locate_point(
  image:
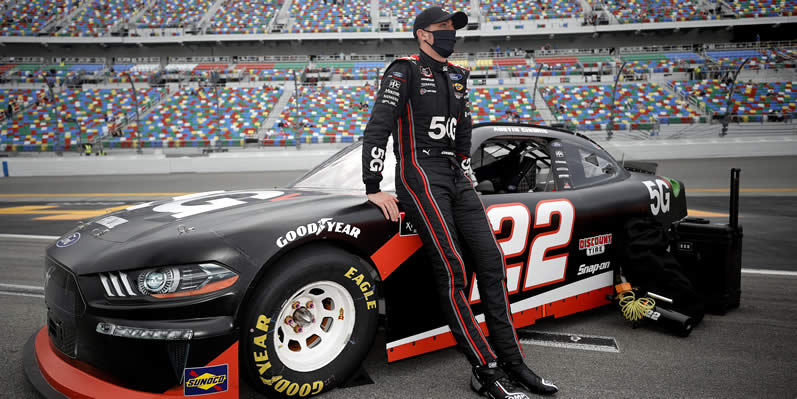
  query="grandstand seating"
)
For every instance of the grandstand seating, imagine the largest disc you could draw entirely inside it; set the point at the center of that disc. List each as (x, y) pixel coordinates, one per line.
(559, 66)
(764, 8)
(174, 14)
(244, 16)
(661, 62)
(354, 70)
(138, 72)
(272, 71)
(405, 11)
(29, 17)
(197, 118)
(639, 11)
(18, 99)
(323, 16)
(752, 100)
(491, 104)
(498, 10)
(733, 58)
(43, 127)
(637, 105)
(332, 114)
(99, 16)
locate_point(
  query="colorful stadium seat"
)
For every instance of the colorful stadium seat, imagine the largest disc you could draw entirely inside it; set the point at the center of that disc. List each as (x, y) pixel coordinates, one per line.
(491, 104)
(734, 58)
(497, 10)
(272, 71)
(29, 17)
(636, 106)
(640, 11)
(204, 117)
(764, 8)
(751, 100)
(75, 115)
(332, 114)
(324, 16)
(406, 11)
(174, 14)
(244, 16)
(99, 16)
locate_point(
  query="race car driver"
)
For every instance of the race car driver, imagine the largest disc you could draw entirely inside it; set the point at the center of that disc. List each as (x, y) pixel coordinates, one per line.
(423, 102)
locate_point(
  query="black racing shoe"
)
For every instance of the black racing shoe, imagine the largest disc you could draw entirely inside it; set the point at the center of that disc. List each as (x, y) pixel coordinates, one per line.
(492, 382)
(521, 374)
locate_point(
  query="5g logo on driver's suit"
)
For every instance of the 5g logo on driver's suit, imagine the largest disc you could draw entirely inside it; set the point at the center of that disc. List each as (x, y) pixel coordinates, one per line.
(377, 163)
(440, 127)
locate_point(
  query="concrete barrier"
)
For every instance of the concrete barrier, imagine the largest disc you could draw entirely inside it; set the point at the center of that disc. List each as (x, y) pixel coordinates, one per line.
(289, 159)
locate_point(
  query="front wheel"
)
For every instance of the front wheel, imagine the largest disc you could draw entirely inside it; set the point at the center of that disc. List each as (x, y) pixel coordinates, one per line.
(310, 323)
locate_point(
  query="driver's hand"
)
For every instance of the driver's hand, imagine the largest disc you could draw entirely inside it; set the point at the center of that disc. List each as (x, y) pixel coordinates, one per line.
(387, 203)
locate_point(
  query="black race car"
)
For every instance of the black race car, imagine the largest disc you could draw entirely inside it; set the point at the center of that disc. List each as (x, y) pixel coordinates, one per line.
(286, 286)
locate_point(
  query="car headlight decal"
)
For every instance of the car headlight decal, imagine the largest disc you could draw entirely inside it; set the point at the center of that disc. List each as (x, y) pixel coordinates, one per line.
(168, 281)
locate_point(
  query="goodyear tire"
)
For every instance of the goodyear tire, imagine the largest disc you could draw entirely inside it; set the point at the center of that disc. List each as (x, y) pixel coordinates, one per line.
(309, 324)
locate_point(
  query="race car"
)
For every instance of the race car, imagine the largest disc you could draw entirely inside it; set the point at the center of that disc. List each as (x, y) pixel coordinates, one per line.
(286, 286)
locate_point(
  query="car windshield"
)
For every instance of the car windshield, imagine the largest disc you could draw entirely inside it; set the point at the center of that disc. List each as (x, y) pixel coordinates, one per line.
(343, 171)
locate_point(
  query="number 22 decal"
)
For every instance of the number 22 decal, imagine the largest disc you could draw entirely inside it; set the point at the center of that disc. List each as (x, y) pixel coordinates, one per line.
(541, 269)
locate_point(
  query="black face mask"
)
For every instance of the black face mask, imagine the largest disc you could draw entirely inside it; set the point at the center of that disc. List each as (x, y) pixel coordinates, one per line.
(444, 41)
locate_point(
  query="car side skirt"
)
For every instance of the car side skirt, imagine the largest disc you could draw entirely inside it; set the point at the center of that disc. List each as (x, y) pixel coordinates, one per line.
(572, 298)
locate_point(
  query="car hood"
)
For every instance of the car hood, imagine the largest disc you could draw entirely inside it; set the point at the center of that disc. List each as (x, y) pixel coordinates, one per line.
(214, 210)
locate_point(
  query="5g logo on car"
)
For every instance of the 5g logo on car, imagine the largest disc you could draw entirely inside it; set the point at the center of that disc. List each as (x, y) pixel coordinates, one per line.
(541, 268)
(440, 127)
(659, 191)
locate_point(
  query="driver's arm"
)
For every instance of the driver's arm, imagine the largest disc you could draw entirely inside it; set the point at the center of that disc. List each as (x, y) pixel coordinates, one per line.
(389, 104)
(462, 136)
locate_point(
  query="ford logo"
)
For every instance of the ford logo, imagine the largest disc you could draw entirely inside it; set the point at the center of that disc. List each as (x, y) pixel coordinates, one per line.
(68, 240)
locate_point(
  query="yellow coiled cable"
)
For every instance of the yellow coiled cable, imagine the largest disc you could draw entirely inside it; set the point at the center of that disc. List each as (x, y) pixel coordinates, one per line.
(634, 309)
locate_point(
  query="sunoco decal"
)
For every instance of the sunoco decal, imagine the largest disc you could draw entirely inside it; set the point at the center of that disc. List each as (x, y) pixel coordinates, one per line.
(205, 380)
(322, 225)
(595, 245)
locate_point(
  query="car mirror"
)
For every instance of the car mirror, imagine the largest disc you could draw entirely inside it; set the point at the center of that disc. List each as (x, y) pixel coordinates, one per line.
(486, 187)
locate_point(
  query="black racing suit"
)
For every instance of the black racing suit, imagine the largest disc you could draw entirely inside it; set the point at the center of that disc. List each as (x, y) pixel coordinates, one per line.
(424, 104)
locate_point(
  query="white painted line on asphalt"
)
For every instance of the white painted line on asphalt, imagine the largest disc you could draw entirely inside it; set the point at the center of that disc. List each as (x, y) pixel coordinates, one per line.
(21, 294)
(29, 237)
(767, 272)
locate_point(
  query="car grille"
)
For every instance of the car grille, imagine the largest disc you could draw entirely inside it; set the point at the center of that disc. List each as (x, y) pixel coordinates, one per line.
(64, 304)
(117, 284)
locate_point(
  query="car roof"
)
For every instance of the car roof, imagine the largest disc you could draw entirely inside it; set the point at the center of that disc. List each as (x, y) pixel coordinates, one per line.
(484, 131)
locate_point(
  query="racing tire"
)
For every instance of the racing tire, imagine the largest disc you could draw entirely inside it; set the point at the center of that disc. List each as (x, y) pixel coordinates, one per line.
(290, 348)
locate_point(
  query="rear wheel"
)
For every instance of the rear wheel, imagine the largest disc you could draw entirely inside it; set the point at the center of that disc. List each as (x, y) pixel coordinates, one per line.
(309, 324)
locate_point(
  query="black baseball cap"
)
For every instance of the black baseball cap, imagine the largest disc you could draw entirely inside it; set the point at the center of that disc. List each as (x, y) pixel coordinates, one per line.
(433, 15)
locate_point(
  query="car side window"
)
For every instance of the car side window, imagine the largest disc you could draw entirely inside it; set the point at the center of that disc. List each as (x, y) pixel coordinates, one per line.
(590, 166)
(513, 165)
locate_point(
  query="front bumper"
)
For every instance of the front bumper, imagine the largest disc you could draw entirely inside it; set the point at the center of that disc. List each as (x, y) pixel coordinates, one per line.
(56, 376)
(133, 361)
